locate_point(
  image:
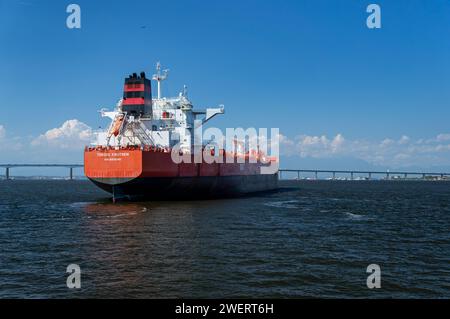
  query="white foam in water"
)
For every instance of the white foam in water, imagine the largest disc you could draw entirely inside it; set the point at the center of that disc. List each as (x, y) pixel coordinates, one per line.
(122, 215)
(356, 216)
(79, 204)
(283, 204)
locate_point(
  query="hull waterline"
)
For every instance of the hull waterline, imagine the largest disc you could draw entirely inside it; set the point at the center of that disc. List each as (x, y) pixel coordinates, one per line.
(182, 188)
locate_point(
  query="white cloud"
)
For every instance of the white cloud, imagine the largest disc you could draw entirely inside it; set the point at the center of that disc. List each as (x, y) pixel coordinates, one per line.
(387, 142)
(336, 143)
(9, 143)
(312, 146)
(2, 132)
(399, 152)
(443, 137)
(402, 152)
(404, 140)
(72, 134)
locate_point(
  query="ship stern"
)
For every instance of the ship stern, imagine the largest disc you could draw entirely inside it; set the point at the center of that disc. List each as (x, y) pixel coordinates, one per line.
(111, 169)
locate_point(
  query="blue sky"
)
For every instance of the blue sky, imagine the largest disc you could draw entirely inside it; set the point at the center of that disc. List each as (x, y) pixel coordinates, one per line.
(311, 68)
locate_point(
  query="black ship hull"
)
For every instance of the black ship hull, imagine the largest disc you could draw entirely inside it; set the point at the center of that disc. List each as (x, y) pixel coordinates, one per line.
(182, 188)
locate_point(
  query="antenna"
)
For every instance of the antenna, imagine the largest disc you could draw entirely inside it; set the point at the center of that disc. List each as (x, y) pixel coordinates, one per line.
(160, 77)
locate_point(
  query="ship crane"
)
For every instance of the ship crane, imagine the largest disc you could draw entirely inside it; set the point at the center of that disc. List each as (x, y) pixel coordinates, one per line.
(209, 113)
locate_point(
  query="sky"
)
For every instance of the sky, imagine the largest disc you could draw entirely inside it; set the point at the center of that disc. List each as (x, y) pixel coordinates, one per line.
(343, 96)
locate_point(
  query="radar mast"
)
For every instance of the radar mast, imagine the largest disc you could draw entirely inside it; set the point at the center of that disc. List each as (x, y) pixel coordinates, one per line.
(159, 77)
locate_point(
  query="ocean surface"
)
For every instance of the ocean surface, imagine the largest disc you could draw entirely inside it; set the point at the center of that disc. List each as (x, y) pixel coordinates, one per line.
(309, 239)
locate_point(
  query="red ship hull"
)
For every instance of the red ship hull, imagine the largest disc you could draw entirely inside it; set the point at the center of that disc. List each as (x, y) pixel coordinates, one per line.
(133, 172)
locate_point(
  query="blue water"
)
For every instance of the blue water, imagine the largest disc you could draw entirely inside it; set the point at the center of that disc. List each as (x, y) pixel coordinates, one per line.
(310, 239)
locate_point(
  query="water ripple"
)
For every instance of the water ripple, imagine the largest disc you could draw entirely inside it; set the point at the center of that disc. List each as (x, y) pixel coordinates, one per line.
(311, 239)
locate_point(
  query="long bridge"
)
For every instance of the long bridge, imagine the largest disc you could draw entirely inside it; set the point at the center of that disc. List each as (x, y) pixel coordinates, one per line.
(9, 166)
(298, 172)
(368, 174)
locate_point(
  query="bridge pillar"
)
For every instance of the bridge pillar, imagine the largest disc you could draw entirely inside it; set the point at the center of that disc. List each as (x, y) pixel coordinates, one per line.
(351, 175)
(334, 175)
(279, 174)
(388, 176)
(298, 175)
(71, 173)
(423, 176)
(370, 175)
(406, 175)
(315, 174)
(7, 173)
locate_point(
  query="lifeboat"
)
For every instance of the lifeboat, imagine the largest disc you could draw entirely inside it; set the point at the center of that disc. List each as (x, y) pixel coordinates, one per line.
(115, 130)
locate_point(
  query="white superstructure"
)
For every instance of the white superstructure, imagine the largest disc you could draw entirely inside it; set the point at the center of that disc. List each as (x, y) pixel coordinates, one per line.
(171, 121)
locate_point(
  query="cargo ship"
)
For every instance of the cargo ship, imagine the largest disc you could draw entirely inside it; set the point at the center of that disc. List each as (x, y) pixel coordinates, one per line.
(150, 150)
